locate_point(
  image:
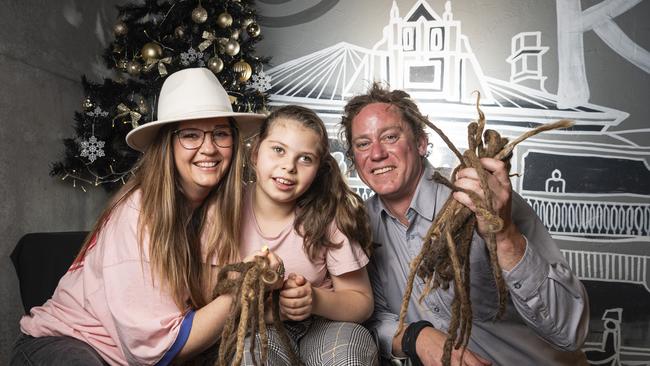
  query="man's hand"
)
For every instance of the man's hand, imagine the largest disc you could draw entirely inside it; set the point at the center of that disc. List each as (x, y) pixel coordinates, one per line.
(296, 298)
(430, 344)
(499, 185)
(511, 245)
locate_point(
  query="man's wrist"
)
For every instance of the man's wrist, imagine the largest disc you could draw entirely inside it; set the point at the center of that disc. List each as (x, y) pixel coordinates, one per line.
(409, 340)
(510, 248)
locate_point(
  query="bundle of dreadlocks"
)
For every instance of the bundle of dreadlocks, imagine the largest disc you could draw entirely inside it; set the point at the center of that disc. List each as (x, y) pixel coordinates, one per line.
(250, 286)
(446, 247)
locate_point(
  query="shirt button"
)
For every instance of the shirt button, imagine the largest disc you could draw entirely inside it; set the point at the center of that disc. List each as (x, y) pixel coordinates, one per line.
(517, 285)
(436, 309)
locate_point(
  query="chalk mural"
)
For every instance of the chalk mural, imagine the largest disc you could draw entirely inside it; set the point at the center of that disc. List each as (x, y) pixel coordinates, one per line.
(590, 185)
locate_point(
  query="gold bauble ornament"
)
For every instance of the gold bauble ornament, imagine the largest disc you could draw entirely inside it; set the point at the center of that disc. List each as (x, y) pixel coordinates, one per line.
(199, 14)
(253, 30)
(87, 104)
(243, 69)
(151, 50)
(120, 29)
(235, 34)
(246, 22)
(231, 47)
(224, 20)
(179, 32)
(215, 64)
(133, 68)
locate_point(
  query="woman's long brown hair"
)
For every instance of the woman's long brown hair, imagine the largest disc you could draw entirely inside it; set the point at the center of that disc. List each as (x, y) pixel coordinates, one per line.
(174, 229)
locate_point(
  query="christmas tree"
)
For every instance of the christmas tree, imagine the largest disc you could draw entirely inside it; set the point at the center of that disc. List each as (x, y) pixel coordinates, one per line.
(152, 40)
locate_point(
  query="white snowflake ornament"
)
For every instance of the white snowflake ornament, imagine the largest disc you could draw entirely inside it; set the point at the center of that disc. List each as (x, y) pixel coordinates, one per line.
(191, 56)
(92, 149)
(261, 82)
(97, 112)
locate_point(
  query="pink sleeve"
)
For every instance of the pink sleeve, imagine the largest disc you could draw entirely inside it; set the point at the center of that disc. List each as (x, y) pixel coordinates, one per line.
(146, 319)
(348, 258)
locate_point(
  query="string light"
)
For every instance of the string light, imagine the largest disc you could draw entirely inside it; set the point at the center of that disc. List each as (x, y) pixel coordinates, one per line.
(113, 177)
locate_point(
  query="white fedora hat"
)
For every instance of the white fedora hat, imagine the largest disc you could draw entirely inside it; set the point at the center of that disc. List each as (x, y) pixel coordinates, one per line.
(191, 94)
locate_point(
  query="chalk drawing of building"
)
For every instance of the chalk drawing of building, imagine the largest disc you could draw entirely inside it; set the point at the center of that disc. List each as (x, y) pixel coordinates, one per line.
(572, 183)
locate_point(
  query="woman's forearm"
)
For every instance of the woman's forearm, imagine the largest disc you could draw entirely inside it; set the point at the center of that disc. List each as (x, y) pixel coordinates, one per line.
(206, 327)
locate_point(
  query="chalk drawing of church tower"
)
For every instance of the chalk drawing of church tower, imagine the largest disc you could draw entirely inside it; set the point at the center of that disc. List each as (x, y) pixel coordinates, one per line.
(525, 60)
(429, 57)
(426, 54)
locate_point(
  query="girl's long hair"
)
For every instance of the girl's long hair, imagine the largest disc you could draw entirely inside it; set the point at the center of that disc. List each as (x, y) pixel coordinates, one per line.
(174, 229)
(328, 198)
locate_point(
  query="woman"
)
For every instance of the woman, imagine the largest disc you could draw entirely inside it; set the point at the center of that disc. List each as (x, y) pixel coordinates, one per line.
(138, 292)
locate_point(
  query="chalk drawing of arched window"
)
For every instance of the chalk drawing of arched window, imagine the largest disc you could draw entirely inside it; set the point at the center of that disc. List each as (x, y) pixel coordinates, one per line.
(340, 159)
(555, 183)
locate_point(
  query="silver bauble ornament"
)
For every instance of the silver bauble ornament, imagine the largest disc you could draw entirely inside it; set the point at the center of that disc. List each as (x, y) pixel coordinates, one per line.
(231, 47)
(179, 32)
(151, 51)
(199, 14)
(244, 70)
(143, 108)
(253, 30)
(121, 64)
(87, 104)
(120, 29)
(133, 68)
(215, 64)
(224, 20)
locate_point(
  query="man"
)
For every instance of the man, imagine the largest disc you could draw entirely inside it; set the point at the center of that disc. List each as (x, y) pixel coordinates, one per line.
(547, 314)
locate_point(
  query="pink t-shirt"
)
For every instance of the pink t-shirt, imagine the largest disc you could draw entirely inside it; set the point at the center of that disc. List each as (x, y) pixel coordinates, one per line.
(109, 300)
(288, 245)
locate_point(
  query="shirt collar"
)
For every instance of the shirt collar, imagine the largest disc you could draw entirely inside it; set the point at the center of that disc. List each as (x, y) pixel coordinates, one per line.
(424, 200)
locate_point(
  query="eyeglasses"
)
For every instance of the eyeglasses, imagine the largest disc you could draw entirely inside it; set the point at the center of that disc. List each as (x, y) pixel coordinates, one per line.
(192, 138)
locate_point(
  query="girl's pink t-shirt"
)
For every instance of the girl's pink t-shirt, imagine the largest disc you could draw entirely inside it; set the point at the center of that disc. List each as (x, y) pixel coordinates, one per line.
(109, 300)
(288, 245)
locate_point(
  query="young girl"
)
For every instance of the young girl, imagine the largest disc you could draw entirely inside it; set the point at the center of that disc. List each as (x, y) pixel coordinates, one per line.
(302, 209)
(139, 292)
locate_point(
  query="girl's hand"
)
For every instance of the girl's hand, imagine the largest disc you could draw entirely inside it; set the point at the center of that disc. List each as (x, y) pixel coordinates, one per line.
(296, 298)
(275, 263)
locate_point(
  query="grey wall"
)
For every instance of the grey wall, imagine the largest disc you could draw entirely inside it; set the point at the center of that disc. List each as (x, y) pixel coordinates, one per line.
(44, 48)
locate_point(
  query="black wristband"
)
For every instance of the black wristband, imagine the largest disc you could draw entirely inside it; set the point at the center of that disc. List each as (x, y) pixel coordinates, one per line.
(409, 340)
